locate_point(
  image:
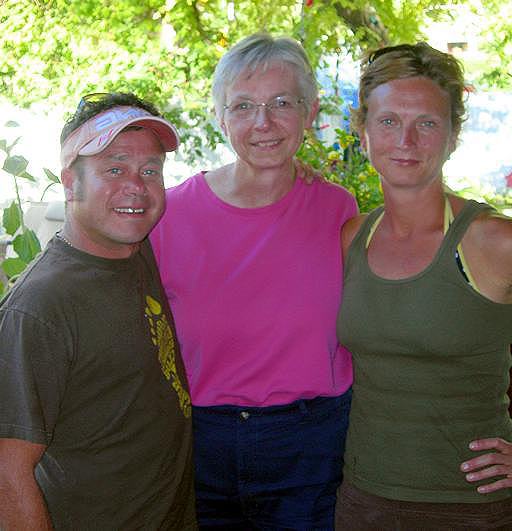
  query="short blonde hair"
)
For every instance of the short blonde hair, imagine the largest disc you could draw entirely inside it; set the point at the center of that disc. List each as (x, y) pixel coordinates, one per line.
(262, 50)
(411, 60)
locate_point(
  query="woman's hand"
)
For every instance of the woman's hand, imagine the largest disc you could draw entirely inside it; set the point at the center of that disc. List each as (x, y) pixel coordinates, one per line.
(490, 465)
(305, 171)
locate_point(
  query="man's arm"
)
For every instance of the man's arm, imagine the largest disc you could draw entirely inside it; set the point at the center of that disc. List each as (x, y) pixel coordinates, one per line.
(22, 506)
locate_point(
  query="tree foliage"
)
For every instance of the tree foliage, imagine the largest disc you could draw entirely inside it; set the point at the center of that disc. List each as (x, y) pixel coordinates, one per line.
(166, 50)
(496, 42)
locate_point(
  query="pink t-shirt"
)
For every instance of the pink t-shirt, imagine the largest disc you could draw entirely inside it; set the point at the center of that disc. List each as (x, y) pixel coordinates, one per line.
(255, 292)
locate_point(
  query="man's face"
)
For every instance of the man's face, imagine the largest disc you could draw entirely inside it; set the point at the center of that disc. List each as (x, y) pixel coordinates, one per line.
(116, 197)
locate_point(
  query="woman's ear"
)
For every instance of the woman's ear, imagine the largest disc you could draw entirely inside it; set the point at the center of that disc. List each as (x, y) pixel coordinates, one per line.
(313, 111)
(362, 141)
(452, 146)
(222, 124)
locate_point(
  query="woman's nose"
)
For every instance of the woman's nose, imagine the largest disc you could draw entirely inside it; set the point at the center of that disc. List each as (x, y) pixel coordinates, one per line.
(262, 116)
(408, 136)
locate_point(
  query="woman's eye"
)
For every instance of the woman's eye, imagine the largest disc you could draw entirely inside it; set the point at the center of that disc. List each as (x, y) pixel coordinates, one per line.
(281, 103)
(243, 106)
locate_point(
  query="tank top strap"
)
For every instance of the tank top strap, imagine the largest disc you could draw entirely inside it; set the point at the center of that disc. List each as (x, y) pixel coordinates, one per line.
(460, 224)
(359, 242)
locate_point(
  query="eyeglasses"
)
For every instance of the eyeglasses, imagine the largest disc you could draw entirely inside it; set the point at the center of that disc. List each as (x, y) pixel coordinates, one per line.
(279, 107)
(95, 97)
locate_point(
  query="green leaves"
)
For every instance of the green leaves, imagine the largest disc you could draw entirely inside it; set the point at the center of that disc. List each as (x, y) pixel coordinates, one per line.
(11, 218)
(166, 50)
(15, 165)
(344, 164)
(13, 267)
(27, 245)
(53, 178)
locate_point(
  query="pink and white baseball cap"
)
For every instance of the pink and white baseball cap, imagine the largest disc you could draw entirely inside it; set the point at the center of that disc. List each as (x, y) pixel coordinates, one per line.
(96, 134)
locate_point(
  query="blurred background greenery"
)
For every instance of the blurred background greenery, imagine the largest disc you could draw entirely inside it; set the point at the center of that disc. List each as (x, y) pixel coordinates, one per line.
(54, 51)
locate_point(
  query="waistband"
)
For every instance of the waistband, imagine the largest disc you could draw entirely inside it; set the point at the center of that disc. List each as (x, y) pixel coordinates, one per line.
(302, 405)
(350, 494)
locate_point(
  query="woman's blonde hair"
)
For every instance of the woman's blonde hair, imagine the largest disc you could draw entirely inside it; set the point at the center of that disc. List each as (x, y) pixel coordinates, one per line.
(262, 50)
(411, 60)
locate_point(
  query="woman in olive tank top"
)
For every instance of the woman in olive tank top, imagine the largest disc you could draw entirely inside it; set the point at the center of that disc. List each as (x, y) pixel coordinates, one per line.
(427, 315)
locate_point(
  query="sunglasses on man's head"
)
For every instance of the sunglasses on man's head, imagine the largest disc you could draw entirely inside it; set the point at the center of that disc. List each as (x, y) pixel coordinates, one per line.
(95, 97)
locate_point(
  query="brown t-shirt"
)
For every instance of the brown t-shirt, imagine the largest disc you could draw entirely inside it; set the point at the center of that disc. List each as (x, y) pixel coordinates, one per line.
(90, 367)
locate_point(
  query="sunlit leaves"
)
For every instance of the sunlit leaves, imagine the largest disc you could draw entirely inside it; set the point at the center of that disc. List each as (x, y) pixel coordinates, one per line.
(13, 266)
(51, 176)
(166, 51)
(11, 218)
(27, 245)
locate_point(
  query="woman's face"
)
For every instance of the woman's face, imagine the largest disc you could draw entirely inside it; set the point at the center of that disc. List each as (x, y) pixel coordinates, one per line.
(408, 133)
(266, 138)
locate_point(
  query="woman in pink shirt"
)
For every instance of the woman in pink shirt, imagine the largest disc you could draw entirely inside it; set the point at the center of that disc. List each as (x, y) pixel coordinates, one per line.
(250, 259)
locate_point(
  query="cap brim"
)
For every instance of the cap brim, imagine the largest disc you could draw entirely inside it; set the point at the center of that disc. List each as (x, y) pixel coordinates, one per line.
(98, 132)
(164, 131)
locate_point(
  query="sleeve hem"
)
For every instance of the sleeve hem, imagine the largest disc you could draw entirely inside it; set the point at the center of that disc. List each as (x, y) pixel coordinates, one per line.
(11, 431)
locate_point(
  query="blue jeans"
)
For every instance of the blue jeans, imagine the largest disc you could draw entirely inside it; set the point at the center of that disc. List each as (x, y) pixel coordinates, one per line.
(272, 468)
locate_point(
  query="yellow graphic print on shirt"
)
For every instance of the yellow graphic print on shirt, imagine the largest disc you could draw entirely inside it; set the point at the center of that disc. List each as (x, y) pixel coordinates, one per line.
(162, 337)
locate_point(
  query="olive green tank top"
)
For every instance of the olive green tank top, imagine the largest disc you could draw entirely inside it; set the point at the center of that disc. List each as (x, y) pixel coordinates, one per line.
(431, 373)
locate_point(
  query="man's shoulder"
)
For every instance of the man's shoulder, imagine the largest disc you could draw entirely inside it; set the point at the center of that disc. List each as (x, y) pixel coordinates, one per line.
(37, 274)
(46, 283)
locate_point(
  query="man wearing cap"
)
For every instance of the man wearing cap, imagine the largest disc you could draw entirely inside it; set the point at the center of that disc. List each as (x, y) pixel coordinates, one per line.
(95, 427)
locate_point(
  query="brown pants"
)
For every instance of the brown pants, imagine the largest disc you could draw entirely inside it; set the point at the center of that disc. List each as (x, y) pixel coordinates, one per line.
(359, 511)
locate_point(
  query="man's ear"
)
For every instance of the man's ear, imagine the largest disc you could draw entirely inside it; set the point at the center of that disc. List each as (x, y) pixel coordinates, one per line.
(67, 177)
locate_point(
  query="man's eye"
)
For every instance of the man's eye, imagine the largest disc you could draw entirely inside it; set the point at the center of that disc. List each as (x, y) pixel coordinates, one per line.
(428, 123)
(115, 171)
(387, 121)
(150, 173)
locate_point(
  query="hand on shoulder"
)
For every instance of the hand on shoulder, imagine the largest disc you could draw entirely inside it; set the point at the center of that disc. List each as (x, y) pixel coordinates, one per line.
(349, 230)
(306, 172)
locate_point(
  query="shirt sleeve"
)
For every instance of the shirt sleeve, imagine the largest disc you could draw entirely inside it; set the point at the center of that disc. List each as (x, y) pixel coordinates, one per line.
(33, 371)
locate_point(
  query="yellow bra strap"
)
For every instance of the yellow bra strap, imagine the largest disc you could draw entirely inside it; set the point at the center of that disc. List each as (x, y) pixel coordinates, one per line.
(374, 228)
(448, 219)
